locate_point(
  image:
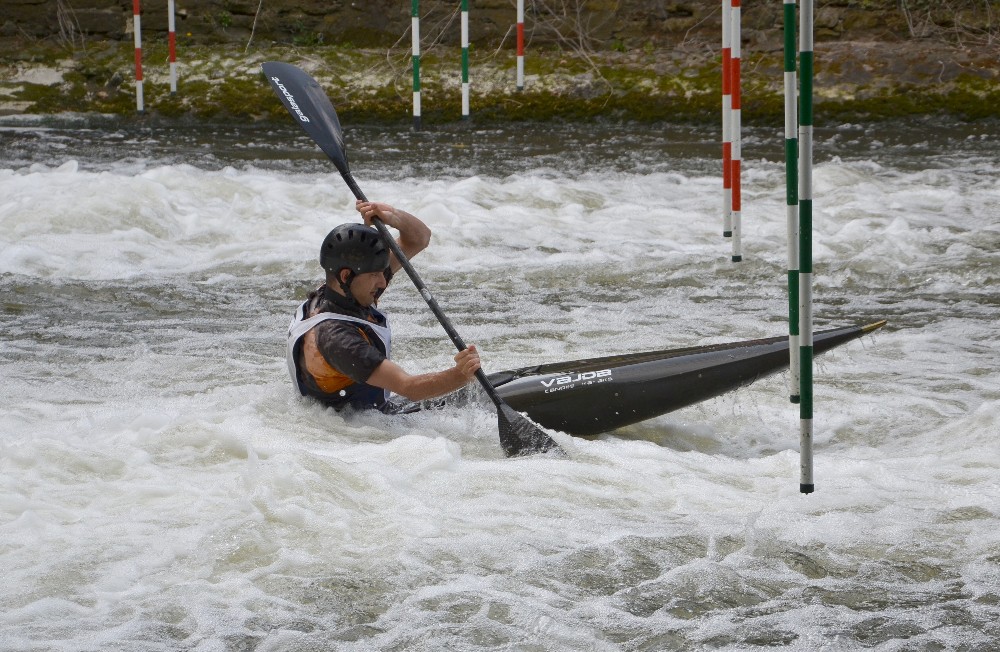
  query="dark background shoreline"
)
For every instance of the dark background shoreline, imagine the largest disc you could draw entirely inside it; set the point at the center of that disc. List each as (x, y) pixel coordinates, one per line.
(627, 59)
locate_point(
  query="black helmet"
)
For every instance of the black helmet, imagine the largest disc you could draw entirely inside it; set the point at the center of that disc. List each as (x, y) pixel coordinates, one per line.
(354, 246)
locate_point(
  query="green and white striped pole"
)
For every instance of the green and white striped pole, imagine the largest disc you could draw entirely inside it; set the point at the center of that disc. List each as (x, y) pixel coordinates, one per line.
(520, 45)
(465, 59)
(806, 484)
(792, 198)
(415, 29)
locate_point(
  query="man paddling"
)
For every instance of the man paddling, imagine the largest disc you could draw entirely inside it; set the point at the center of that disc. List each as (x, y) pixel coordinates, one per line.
(339, 344)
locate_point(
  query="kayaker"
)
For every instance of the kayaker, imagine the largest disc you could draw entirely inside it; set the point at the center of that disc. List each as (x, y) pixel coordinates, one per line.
(339, 343)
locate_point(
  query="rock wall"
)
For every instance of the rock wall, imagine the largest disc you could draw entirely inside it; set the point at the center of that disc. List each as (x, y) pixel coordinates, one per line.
(44, 18)
(637, 59)
(594, 24)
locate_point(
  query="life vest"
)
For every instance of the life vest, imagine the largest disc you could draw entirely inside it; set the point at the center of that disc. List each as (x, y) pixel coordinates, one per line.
(359, 395)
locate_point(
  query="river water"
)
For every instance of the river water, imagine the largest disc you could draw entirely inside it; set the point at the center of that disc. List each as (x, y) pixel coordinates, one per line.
(162, 488)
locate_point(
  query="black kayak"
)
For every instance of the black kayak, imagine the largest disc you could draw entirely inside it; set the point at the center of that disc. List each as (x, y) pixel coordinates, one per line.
(595, 395)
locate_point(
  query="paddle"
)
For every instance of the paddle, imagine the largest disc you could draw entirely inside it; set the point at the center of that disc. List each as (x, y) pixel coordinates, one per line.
(312, 109)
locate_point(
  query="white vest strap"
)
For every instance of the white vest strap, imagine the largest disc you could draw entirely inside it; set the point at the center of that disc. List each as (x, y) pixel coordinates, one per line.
(300, 326)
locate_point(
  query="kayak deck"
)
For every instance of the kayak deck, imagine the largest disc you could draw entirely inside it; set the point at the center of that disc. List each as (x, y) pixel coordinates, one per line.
(595, 395)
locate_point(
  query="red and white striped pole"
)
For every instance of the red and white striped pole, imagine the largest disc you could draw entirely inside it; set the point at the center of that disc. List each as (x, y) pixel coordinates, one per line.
(137, 29)
(520, 45)
(737, 127)
(727, 115)
(172, 46)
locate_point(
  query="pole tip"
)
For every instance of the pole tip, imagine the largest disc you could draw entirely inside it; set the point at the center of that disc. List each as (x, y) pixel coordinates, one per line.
(737, 259)
(806, 488)
(873, 327)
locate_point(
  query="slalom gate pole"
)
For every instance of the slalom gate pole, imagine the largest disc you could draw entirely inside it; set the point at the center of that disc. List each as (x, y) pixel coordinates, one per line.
(737, 147)
(172, 46)
(465, 59)
(792, 198)
(415, 29)
(520, 45)
(137, 37)
(727, 121)
(806, 484)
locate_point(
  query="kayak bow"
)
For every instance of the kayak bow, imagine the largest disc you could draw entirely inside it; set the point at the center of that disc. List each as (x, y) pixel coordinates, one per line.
(595, 395)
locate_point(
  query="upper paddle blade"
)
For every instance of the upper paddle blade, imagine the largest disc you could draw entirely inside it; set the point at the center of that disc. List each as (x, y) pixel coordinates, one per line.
(311, 108)
(519, 436)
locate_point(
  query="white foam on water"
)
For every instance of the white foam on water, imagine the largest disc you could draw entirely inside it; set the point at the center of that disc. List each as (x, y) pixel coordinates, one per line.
(162, 488)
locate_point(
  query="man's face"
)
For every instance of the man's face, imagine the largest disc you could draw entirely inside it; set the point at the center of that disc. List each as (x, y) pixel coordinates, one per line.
(367, 287)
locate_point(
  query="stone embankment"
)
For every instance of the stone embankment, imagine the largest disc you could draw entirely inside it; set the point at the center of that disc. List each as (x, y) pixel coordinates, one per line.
(628, 59)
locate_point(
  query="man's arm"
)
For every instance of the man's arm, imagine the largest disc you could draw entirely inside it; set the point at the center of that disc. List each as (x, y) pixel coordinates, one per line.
(391, 376)
(414, 235)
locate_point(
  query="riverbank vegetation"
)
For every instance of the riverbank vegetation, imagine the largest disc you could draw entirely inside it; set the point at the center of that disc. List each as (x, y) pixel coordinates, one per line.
(933, 56)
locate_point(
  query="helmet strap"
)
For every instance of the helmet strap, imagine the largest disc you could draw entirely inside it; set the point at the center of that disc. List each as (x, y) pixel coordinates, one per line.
(345, 285)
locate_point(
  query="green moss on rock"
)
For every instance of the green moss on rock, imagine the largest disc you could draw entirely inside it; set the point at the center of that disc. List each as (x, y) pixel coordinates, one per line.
(375, 86)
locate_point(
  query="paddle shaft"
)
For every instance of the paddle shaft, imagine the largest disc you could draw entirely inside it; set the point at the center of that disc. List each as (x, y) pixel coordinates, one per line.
(419, 284)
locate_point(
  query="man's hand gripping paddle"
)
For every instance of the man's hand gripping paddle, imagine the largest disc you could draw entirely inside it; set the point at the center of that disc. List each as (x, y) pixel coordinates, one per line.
(312, 109)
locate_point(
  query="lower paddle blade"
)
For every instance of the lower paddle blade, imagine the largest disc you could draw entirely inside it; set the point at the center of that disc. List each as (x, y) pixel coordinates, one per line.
(519, 436)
